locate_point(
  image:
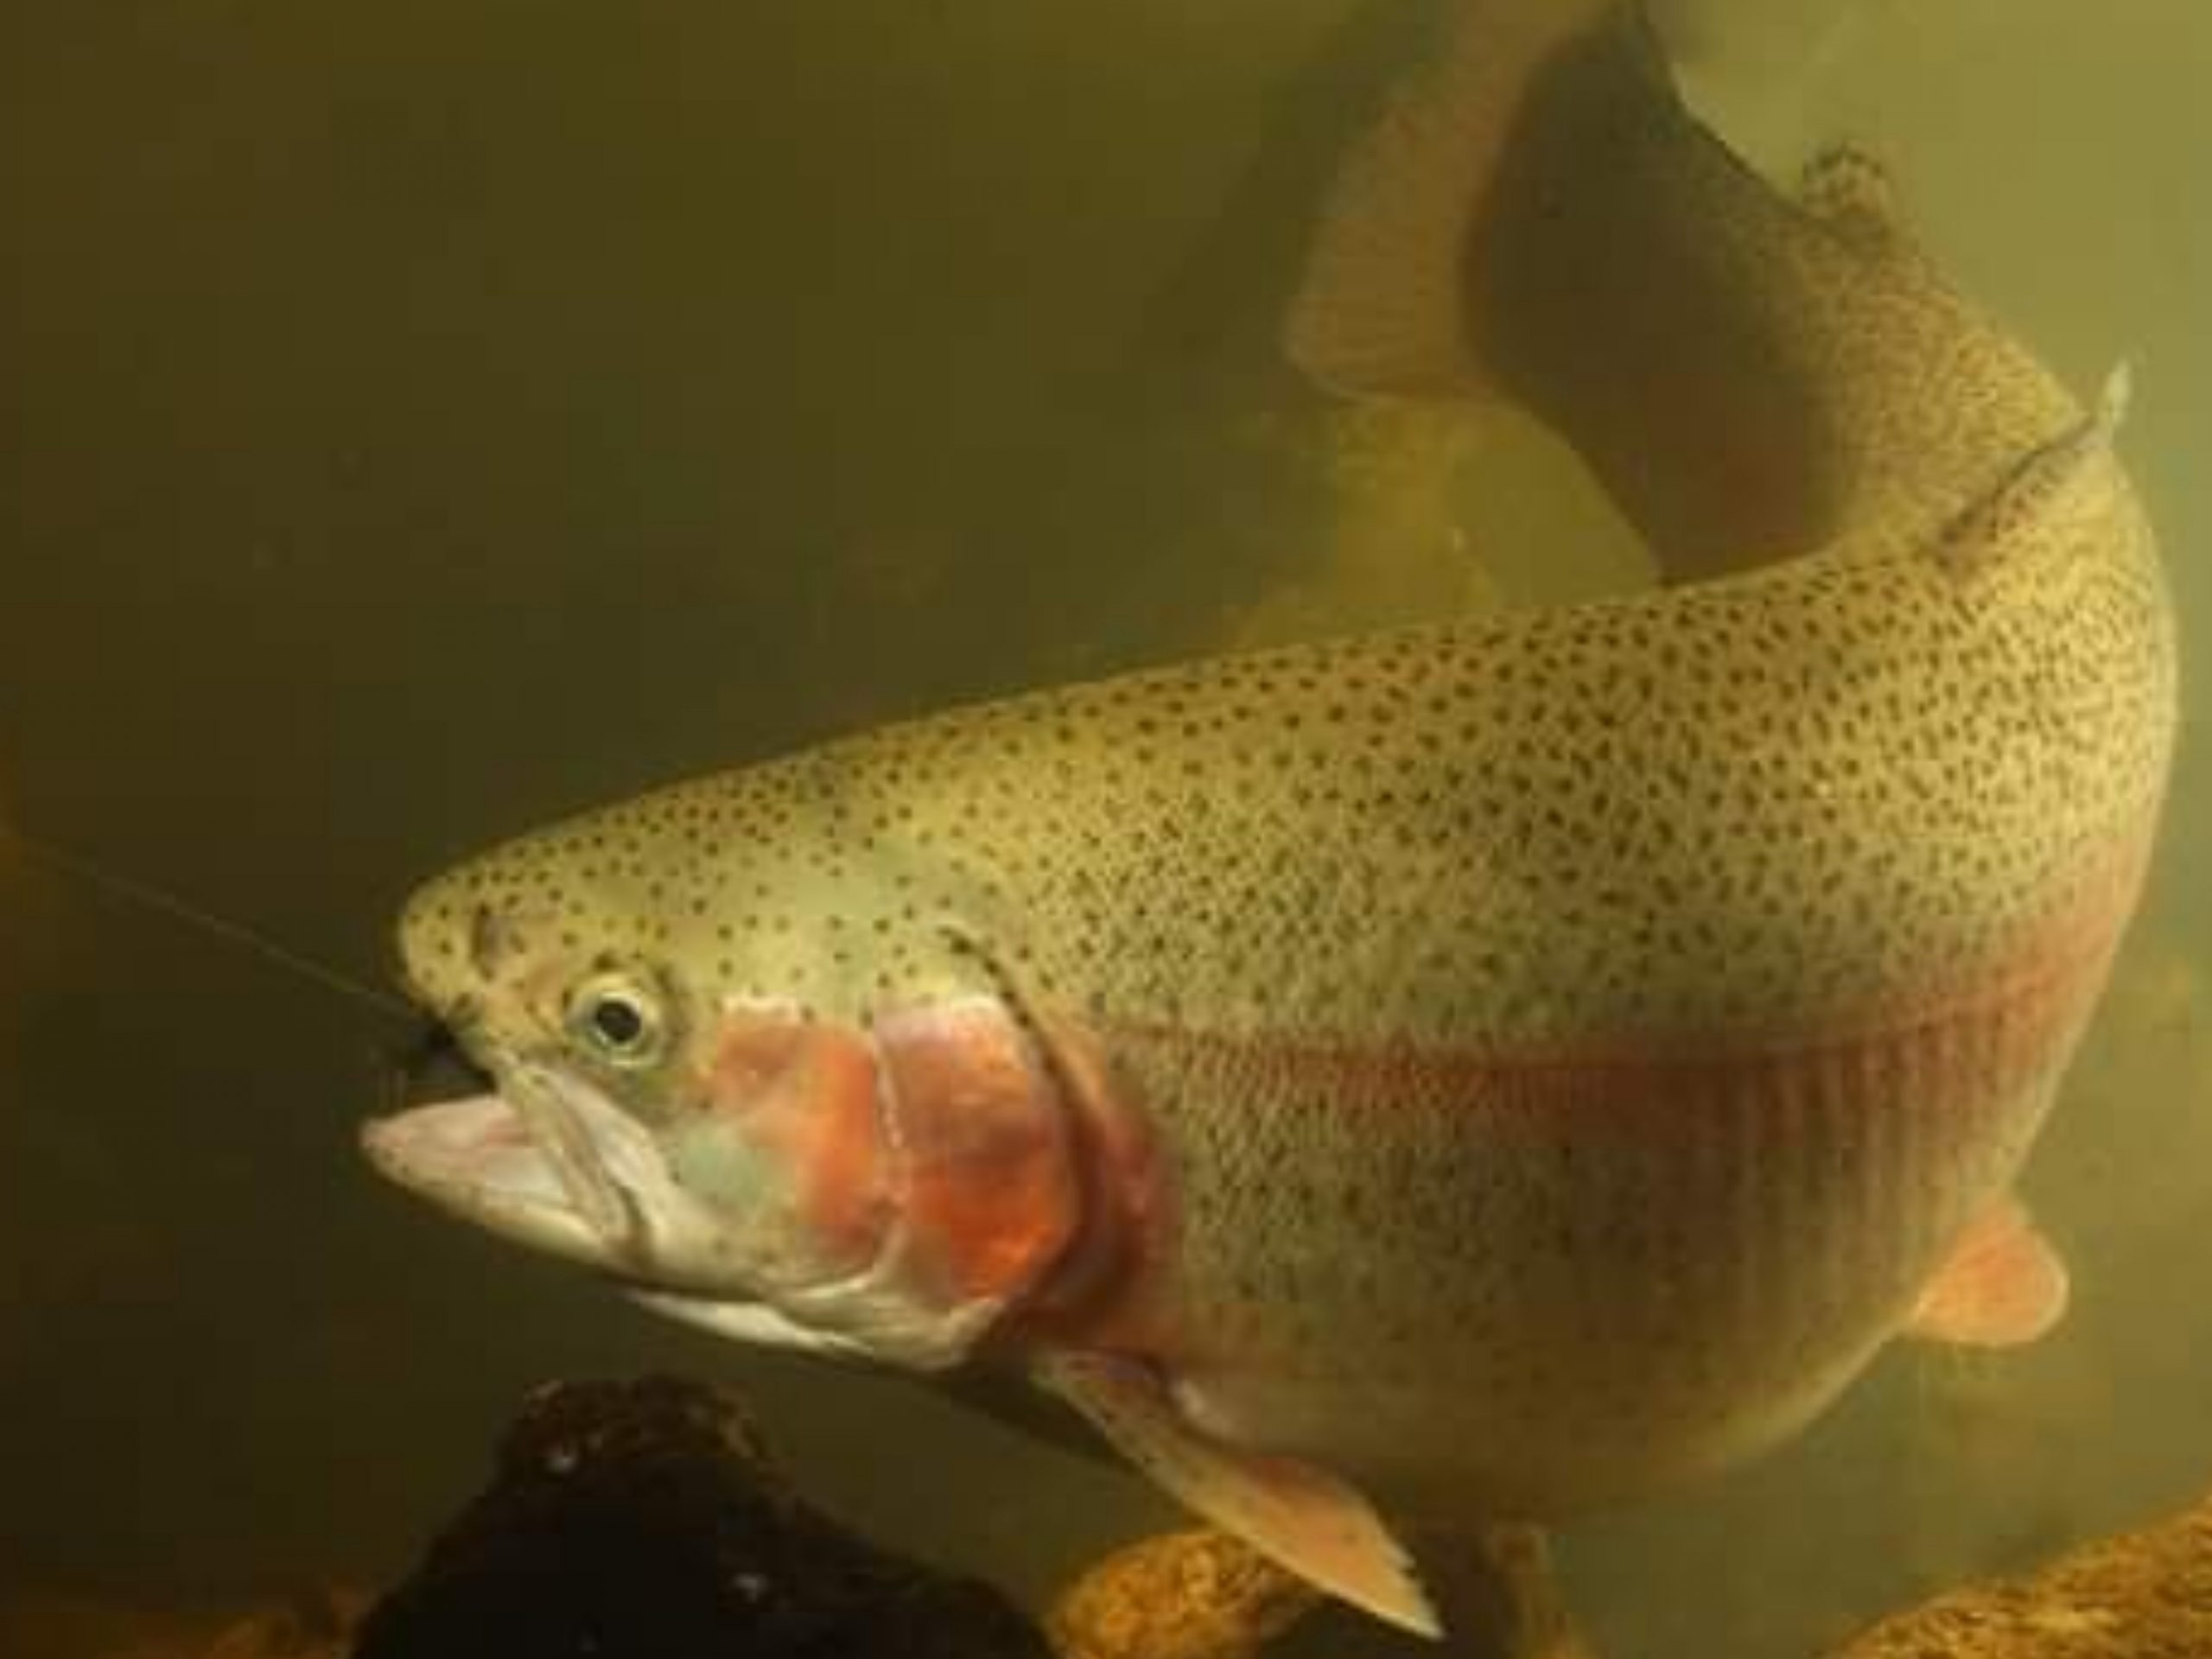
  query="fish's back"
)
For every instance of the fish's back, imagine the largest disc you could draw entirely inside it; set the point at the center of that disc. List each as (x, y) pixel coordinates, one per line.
(1755, 806)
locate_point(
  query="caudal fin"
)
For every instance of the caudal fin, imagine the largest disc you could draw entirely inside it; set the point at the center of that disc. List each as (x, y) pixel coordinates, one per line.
(1383, 308)
(1539, 220)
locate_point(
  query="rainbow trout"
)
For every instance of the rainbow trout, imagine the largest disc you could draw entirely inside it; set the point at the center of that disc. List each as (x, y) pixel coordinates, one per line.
(1486, 1071)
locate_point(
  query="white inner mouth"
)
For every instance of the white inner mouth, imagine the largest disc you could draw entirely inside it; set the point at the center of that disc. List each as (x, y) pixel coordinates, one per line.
(546, 1160)
(601, 1157)
(477, 1157)
(483, 1160)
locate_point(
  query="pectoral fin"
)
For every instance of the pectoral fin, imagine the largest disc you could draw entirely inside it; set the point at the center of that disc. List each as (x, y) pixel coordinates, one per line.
(2004, 1286)
(1308, 1521)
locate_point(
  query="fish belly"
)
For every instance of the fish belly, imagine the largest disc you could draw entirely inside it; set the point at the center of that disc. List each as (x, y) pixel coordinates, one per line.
(1525, 1286)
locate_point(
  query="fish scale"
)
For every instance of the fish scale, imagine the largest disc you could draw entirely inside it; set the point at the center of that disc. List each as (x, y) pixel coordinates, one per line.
(1813, 906)
(1496, 1068)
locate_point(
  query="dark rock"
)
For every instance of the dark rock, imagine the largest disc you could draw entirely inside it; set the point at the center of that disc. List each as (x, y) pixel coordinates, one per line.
(642, 1520)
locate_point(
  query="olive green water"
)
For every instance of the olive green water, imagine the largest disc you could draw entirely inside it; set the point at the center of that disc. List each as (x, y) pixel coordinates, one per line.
(418, 420)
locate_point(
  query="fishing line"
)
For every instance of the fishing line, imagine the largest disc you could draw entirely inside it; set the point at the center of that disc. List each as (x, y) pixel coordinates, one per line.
(124, 888)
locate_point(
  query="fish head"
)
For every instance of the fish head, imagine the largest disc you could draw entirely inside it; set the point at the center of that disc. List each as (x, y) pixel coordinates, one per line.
(819, 1112)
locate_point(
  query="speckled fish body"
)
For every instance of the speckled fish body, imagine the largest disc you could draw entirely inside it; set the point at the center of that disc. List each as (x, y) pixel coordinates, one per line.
(1505, 1065)
(1574, 1039)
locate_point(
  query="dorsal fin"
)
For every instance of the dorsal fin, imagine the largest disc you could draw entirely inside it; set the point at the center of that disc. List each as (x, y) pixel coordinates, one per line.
(1847, 188)
(2022, 504)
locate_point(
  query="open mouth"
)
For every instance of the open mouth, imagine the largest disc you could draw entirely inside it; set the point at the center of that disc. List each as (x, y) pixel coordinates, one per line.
(477, 1158)
(539, 1159)
(433, 1065)
(512, 1148)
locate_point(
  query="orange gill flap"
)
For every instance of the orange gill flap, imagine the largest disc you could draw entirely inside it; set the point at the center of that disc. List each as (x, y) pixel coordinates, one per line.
(990, 1193)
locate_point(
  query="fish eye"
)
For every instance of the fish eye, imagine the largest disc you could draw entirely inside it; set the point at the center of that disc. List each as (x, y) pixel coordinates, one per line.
(619, 1019)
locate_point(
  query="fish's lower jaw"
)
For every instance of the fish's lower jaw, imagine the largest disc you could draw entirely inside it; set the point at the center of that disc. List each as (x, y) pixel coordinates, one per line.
(471, 1159)
(755, 1325)
(873, 1316)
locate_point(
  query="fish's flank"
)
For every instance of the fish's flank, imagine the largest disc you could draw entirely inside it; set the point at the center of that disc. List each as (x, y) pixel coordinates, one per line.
(1497, 1068)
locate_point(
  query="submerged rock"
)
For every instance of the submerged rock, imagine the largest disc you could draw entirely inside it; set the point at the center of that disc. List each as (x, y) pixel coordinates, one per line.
(54, 1625)
(316, 1623)
(2142, 1595)
(642, 1520)
(1502, 1599)
(1201, 1595)
(1186, 1595)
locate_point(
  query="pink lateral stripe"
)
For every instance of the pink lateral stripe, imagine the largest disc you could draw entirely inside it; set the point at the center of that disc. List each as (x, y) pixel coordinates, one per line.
(2003, 1029)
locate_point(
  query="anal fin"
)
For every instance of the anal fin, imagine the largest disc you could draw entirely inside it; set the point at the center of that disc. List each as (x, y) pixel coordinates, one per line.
(2004, 1286)
(1300, 1516)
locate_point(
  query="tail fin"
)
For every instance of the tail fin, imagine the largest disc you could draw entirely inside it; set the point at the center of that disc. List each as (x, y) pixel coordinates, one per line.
(1382, 310)
(1541, 221)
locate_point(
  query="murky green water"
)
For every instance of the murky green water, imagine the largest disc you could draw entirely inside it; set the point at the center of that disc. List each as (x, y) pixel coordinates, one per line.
(417, 420)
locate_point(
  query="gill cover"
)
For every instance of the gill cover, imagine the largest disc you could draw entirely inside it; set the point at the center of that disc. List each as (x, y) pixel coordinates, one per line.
(902, 1184)
(888, 1190)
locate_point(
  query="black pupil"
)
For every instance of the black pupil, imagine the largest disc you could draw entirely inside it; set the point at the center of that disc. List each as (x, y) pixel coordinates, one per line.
(618, 1021)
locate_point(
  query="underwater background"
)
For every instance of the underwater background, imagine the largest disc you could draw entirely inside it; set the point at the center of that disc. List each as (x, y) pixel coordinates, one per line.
(418, 421)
